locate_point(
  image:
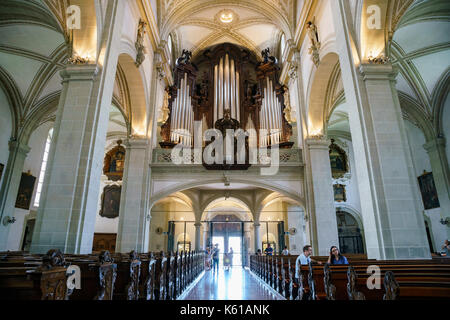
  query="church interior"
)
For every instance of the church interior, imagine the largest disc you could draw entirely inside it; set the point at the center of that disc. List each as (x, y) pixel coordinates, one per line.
(137, 135)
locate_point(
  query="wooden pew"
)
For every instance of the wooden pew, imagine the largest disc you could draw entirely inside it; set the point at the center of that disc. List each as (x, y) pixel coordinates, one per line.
(128, 275)
(414, 279)
(45, 282)
(97, 278)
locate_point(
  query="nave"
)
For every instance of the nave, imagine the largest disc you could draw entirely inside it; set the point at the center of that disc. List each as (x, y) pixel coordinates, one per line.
(234, 284)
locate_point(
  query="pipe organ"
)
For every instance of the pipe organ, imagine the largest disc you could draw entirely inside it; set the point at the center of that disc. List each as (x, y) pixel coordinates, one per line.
(182, 123)
(271, 117)
(226, 85)
(226, 89)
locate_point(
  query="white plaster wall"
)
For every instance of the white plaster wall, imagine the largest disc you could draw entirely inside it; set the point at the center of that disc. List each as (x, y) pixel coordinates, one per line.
(327, 38)
(351, 185)
(446, 126)
(159, 219)
(5, 128)
(33, 163)
(421, 162)
(295, 219)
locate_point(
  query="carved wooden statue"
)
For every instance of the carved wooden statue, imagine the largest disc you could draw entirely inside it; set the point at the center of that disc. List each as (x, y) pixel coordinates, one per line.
(351, 285)
(150, 281)
(107, 276)
(311, 284)
(391, 286)
(53, 276)
(132, 288)
(162, 279)
(330, 289)
(140, 48)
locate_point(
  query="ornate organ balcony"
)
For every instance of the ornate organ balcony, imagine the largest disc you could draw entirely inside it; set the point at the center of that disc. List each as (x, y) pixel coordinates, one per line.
(226, 88)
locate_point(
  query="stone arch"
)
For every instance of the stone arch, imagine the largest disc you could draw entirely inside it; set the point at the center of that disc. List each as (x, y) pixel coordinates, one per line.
(318, 94)
(14, 97)
(352, 212)
(415, 111)
(235, 198)
(135, 85)
(179, 187)
(44, 108)
(440, 95)
(274, 15)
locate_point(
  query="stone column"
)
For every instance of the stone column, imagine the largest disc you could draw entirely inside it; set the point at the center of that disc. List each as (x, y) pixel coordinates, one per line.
(246, 245)
(205, 235)
(10, 187)
(296, 219)
(393, 222)
(439, 165)
(68, 206)
(257, 230)
(323, 212)
(197, 225)
(134, 217)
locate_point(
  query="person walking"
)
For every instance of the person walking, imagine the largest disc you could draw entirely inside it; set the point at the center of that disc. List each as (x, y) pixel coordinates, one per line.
(215, 257)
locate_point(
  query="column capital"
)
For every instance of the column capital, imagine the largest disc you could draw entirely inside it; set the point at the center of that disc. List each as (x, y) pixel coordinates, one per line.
(318, 143)
(257, 224)
(198, 224)
(19, 147)
(85, 72)
(136, 142)
(433, 145)
(378, 71)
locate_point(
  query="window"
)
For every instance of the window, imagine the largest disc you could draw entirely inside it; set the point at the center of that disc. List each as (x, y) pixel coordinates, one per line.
(43, 167)
(282, 45)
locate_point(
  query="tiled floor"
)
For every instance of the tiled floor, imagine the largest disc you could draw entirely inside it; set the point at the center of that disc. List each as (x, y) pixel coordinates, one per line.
(235, 284)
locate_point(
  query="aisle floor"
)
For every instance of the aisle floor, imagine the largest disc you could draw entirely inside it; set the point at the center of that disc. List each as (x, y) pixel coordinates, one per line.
(234, 284)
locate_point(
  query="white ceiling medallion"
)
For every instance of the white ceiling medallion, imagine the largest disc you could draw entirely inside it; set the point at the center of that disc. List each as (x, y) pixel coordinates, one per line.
(226, 17)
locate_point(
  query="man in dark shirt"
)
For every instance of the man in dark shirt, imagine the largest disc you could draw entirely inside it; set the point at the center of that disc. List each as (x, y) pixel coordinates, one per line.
(269, 250)
(215, 257)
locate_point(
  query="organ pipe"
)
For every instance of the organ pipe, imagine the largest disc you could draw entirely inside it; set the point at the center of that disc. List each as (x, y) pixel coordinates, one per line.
(182, 122)
(271, 115)
(226, 89)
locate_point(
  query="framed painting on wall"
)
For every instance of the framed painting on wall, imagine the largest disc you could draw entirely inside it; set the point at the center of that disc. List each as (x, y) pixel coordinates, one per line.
(339, 193)
(110, 202)
(428, 190)
(25, 193)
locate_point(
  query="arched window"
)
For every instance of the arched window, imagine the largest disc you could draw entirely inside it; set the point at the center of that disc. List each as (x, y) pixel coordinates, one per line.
(282, 46)
(43, 168)
(169, 46)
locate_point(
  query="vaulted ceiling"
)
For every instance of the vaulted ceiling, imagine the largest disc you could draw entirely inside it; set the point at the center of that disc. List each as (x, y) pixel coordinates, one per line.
(196, 25)
(32, 51)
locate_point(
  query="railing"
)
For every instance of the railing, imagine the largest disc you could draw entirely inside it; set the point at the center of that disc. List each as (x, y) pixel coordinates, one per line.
(287, 157)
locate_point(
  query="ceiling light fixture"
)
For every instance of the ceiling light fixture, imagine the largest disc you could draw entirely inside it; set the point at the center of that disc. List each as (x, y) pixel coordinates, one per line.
(226, 17)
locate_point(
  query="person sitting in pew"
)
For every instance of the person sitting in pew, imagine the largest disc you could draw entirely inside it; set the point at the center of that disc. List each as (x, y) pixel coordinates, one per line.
(303, 259)
(336, 257)
(445, 249)
(258, 252)
(285, 251)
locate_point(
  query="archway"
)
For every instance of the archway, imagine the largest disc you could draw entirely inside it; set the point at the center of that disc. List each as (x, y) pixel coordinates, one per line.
(349, 232)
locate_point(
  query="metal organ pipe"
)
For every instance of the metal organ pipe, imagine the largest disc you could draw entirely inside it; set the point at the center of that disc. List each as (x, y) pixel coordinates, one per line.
(271, 117)
(220, 89)
(226, 89)
(182, 121)
(216, 92)
(232, 90)
(238, 105)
